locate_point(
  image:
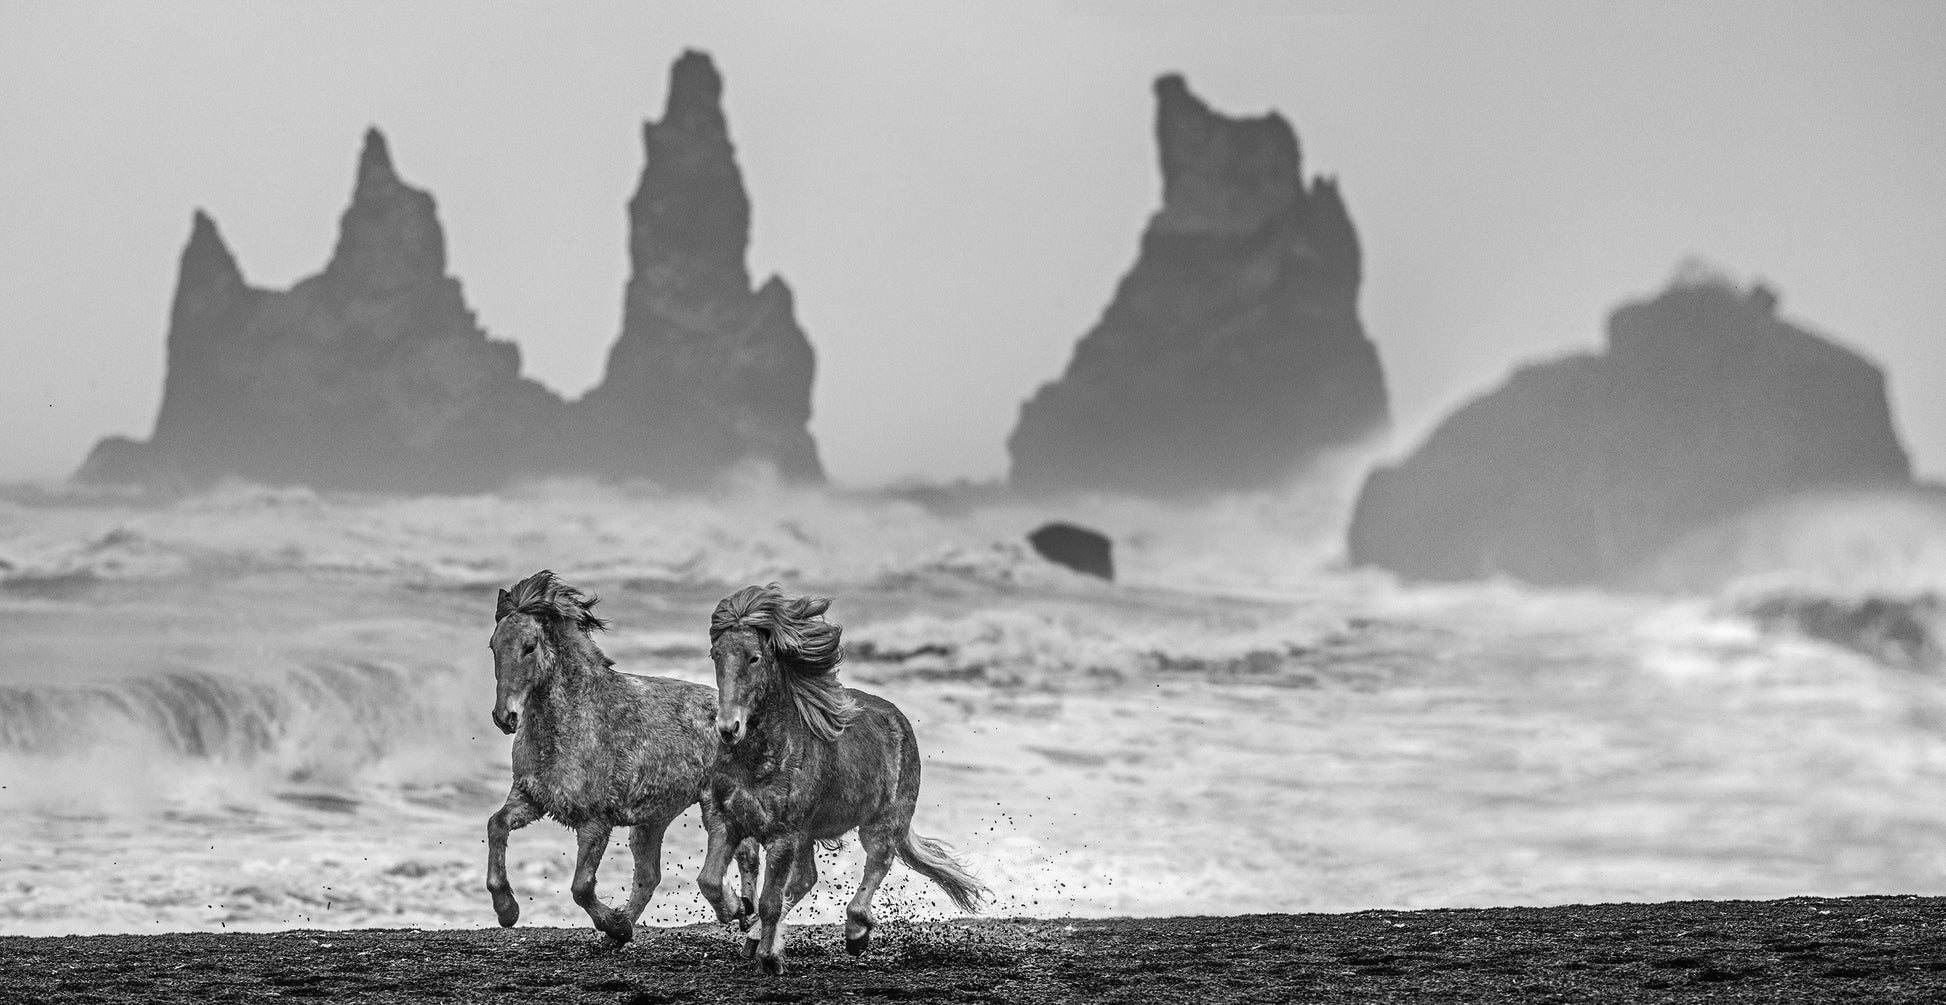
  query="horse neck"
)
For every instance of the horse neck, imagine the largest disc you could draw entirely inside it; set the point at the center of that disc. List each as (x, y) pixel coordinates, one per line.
(778, 728)
(578, 661)
(576, 687)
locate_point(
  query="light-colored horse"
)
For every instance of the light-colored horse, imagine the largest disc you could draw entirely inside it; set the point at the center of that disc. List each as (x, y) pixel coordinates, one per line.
(805, 760)
(597, 749)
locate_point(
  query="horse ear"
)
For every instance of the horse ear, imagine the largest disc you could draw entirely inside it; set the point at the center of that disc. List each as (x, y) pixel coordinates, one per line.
(502, 606)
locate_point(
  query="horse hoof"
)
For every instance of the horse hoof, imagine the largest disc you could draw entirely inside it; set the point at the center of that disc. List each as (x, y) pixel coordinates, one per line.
(857, 944)
(749, 950)
(771, 964)
(622, 934)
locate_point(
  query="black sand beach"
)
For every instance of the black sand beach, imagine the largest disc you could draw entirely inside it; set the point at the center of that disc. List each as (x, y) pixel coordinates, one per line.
(1878, 949)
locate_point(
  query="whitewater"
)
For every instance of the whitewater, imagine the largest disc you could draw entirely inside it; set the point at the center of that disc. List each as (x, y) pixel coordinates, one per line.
(258, 708)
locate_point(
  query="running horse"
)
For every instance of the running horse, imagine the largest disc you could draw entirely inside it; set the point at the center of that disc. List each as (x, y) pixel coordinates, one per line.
(805, 760)
(597, 749)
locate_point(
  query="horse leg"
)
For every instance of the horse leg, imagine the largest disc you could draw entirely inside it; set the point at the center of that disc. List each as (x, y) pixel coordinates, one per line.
(859, 918)
(748, 861)
(752, 930)
(780, 860)
(645, 845)
(804, 876)
(592, 840)
(723, 840)
(518, 812)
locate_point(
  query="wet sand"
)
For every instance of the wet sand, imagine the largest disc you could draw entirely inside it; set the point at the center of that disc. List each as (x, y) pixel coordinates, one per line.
(1880, 949)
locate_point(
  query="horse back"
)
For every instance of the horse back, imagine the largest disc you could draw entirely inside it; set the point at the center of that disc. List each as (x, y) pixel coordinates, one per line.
(664, 719)
(631, 749)
(873, 768)
(685, 701)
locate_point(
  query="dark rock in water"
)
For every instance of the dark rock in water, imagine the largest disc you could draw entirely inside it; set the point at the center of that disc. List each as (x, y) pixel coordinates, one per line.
(1577, 471)
(1078, 548)
(370, 375)
(706, 371)
(1232, 353)
(1900, 632)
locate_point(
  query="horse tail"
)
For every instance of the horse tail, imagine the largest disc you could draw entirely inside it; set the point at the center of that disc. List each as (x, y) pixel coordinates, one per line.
(934, 860)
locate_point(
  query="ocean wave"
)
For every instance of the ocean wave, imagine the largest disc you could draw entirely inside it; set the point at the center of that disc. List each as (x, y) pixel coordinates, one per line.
(1838, 542)
(323, 735)
(267, 708)
(756, 533)
(1908, 633)
(353, 709)
(1062, 647)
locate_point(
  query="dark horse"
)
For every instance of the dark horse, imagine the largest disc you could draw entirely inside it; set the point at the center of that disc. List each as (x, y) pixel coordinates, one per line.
(596, 749)
(804, 760)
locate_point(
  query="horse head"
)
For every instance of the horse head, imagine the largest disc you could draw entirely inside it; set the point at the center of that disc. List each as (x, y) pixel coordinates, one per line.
(531, 621)
(746, 675)
(765, 643)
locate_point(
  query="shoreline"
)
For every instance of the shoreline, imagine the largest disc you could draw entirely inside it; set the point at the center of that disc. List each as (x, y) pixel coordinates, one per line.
(1881, 948)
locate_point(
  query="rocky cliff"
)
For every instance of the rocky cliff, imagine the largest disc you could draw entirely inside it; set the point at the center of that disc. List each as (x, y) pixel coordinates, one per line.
(370, 375)
(1232, 353)
(1577, 471)
(707, 371)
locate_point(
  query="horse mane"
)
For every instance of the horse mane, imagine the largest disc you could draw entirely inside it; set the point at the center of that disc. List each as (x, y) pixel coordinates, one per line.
(806, 646)
(555, 604)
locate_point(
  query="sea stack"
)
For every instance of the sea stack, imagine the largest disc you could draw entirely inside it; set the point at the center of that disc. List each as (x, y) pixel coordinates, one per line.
(1578, 471)
(370, 375)
(707, 372)
(374, 375)
(1232, 354)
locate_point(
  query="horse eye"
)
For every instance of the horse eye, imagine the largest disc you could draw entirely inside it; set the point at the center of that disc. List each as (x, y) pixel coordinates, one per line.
(529, 649)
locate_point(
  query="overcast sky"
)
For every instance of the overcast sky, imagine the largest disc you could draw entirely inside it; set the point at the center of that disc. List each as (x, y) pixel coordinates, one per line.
(953, 190)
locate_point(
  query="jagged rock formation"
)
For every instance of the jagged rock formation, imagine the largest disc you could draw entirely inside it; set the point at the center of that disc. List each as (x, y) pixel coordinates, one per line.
(1579, 470)
(1232, 354)
(374, 375)
(715, 371)
(371, 375)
